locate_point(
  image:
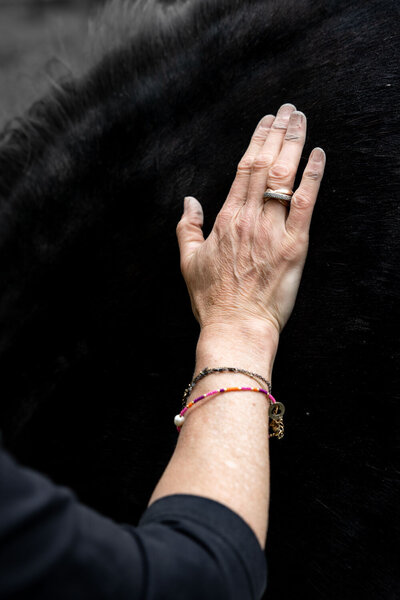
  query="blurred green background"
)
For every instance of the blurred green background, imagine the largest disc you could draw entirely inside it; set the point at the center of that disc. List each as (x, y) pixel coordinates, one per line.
(39, 40)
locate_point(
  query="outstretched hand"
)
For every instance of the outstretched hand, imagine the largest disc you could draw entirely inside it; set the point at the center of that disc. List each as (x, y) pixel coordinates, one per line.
(248, 270)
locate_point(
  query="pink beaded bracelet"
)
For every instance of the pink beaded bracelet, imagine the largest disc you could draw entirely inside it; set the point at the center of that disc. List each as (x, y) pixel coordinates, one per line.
(180, 419)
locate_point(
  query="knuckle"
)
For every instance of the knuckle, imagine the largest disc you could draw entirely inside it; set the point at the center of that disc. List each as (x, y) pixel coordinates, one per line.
(279, 123)
(279, 171)
(265, 128)
(261, 134)
(301, 200)
(245, 165)
(313, 174)
(302, 239)
(293, 137)
(222, 220)
(263, 161)
(243, 225)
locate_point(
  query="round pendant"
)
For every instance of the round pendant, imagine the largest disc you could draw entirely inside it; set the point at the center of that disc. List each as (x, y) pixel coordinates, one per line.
(276, 411)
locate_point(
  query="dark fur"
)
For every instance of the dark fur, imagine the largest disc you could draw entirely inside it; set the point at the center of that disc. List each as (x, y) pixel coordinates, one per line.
(97, 336)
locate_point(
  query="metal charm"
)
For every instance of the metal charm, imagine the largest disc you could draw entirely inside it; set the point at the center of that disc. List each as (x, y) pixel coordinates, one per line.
(277, 428)
(276, 411)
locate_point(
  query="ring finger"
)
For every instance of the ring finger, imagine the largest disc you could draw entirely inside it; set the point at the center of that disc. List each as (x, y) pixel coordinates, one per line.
(267, 157)
(282, 174)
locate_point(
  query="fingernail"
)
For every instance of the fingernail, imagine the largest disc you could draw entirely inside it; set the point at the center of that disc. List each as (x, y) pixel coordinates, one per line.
(297, 117)
(318, 154)
(266, 121)
(287, 108)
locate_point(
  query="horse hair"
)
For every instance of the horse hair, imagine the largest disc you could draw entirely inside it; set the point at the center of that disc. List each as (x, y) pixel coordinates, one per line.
(97, 336)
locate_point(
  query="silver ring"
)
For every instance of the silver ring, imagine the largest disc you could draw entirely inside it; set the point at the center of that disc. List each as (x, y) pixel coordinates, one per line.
(277, 194)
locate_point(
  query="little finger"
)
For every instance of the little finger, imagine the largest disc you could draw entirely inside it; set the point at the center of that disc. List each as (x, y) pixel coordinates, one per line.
(304, 198)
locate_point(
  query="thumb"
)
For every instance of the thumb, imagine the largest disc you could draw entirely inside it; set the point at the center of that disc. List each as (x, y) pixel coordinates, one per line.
(188, 231)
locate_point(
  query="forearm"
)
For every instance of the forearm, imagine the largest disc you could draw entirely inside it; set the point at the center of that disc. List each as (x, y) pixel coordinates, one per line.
(222, 451)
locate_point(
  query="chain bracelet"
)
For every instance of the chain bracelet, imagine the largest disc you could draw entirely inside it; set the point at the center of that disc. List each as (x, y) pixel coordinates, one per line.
(208, 370)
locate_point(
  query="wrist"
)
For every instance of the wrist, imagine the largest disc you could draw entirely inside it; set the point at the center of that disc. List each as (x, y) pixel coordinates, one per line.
(250, 346)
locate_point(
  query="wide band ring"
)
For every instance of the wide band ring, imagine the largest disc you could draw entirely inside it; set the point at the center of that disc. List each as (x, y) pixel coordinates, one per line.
(283, 195)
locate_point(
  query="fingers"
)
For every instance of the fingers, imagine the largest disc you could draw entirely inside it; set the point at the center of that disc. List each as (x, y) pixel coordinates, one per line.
(268, 156)
(283, 172)
(238, 192)
(272, 160)
(278, 131)
(303, 200)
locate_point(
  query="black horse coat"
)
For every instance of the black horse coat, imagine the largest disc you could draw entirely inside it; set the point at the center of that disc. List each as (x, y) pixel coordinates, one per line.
(97, 338)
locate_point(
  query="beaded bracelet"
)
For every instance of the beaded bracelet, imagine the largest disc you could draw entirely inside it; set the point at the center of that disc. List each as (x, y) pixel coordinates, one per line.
(276, 409)
(208, 371)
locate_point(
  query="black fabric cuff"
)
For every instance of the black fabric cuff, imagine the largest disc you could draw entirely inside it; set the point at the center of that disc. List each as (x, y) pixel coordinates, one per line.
(221, 521)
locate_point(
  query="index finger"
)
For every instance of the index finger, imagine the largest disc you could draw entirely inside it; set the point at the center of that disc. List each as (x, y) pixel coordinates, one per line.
(238, 192)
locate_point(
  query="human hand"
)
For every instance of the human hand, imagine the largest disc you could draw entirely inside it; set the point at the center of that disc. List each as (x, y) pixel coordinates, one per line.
(249, 268)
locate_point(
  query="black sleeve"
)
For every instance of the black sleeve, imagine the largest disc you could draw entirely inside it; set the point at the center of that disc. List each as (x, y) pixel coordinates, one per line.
(184, 546)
